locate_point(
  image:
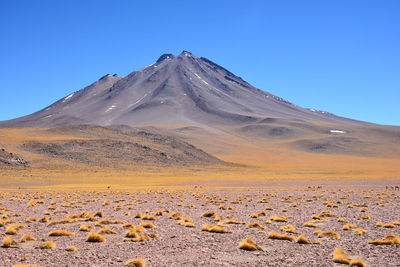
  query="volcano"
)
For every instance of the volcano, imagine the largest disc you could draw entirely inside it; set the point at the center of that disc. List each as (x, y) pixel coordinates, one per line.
(175, 90)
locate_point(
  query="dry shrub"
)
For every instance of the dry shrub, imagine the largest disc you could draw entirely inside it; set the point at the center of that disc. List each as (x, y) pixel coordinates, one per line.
(359, 231)
(389, 239)
(340, 256)
(275, 235)
(106, 231)
(8, 242)
(159, 213)
(215, 229)
(139, 215)
(147, 225)
(48, 245)
(128, 225)
(302, 239)
(313, 223)
(185, 223)
(328, 234)
(61, 233)
(71, 249)
(99, 214)
(349, 226)
(95, 237)
(131, 233)
(27, 237)
(138, 262)
(85, 228)
(341, 219)
(176, 216)
(234, 222)
(288, 228)
(255, 225)
(249, 244)
(13, 228)
(209, 214)
(279, 218)
(148, 217)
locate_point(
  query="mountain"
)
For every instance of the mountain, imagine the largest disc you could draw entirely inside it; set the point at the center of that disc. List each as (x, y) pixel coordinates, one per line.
(175, 90)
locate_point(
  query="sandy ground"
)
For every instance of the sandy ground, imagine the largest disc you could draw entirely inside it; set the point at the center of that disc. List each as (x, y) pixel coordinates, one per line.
(177, 245)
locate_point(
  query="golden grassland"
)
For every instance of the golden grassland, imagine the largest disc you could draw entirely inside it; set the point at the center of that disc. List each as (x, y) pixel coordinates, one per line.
(263, 163)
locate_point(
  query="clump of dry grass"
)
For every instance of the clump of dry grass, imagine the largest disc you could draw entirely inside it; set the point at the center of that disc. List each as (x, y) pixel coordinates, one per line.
(288, 228)
(159, 213)
(131, 233)
(186, 222)
(176, 216)
(148, 217)
(215, 229)
(71, 249)
(14, 228)
(312, 223)
(389, 239)
(302, 239)
(340, 256)
(106, 231)
(139, 215)
(209, 214)
(27, 237)
(255, 225)
(349, 226)
(359, 231)
(95, 237)
(249, 244)
(138, 262)
(275, 235)
(147, 225)
(328, 234)
(279, 218)
(234, 222)
(85, 228)
(341, 219)
(48, 245)
(8, 242)
(61, 233)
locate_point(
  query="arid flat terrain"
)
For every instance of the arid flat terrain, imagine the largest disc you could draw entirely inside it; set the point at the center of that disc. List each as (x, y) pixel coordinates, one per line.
(195, 226)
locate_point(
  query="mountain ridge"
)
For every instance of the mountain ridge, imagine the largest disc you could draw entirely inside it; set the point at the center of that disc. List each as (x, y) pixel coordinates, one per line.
(181, 90)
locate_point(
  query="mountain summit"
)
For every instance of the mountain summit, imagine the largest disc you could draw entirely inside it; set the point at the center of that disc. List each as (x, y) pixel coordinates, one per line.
(175, 90)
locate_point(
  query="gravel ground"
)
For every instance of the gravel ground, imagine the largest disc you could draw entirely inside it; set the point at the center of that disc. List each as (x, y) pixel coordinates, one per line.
(177, 245)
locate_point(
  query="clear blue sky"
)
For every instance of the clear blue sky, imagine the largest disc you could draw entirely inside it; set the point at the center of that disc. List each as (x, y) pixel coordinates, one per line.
(338, 56)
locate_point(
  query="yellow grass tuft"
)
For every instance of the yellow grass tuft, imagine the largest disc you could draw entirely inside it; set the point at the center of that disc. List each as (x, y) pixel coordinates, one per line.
(339, 256)
(209, 214)
(147, 225)
(234, 222)
(389, 239)
(13, 228)
(215, 229)
(349, 226)
(288, 229)
(106, 231)
(359, 231)
(8, 242)
(48, 245)
(275, 235)
(279, 218)
(27, 237)
(85, 228)
(328, 234)
(302, 239)
(255, 225)
(71, 249)
(138, 262)
(61, 233)
(249, 244)
(186, 223)
(148, 217)
(95, 237)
